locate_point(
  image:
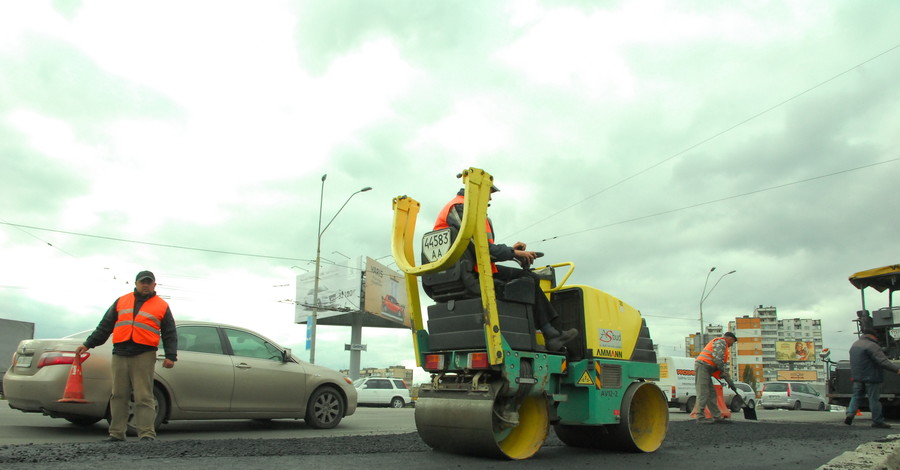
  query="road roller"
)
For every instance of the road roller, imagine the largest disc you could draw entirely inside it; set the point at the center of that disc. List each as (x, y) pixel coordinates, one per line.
(494, 388)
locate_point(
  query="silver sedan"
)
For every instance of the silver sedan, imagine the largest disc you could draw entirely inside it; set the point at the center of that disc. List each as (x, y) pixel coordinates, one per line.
(222, 372)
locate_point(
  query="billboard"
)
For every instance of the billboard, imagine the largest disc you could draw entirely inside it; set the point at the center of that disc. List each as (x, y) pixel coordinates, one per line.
(799, 375)
(795, 351)
(339, 292)
(385, 295)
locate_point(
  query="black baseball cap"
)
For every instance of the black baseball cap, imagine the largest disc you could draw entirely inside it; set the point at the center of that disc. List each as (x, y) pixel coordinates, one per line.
(729, 334)
(144, 275)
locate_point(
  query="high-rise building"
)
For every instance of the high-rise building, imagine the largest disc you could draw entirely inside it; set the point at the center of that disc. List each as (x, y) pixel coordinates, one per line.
(768, 324)
(747, 357)
(792, 331)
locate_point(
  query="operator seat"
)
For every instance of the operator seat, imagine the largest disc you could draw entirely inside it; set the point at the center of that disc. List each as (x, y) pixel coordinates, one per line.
(456, 321)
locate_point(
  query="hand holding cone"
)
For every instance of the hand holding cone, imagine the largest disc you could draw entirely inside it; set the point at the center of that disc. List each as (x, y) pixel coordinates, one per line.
(74, 392)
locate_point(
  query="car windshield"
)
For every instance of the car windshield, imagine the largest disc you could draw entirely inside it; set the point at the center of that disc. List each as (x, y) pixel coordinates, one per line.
(774, 387)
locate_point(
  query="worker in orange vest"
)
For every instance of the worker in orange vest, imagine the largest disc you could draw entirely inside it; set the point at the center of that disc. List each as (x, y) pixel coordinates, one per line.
(712, 362)
(544, 313)
(137, 321)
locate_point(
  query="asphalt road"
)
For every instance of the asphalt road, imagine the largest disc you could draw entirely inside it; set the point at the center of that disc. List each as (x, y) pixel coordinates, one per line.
(782, 439)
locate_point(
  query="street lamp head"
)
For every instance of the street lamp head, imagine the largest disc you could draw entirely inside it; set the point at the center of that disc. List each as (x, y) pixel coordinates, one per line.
(367, 188)
(323, 177)
(733, 271)
(712, 269)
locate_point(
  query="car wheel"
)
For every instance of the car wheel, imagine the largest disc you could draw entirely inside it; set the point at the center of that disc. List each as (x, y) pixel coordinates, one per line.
(736, 404)
(751, 404)
(325, 408)
(83, 420)
(689, 405)
(821, 406)
(796, 405)
(162, 409)
(397, 402)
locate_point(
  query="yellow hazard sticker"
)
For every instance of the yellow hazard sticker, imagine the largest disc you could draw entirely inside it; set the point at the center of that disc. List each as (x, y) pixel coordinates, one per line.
(585, 379)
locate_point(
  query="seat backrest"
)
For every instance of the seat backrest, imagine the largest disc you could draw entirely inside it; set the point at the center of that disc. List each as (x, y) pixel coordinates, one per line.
(457, 282)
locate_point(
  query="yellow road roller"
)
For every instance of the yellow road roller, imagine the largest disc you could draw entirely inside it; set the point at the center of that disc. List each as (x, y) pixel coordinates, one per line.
(494, 387)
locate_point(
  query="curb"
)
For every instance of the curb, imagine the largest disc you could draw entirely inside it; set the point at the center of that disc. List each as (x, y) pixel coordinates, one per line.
(881, 454)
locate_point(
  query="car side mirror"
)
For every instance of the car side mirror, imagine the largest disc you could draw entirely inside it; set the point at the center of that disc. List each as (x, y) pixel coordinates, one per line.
(286, 355)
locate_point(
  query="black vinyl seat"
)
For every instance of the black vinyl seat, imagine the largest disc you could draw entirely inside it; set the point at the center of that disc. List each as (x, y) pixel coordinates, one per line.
(456, 321)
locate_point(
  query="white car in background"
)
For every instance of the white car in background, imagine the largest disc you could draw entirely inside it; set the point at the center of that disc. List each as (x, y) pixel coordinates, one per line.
(389, 391)
(745, 391)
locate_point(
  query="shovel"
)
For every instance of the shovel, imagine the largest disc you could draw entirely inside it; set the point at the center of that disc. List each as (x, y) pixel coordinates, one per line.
(749, 413)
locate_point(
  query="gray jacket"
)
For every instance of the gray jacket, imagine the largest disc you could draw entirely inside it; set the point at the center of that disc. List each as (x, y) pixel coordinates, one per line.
(867, 361)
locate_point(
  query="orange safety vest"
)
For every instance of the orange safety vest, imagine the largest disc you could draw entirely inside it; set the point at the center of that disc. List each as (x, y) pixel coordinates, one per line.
(442, 223)
(706, 356)
(143, 327)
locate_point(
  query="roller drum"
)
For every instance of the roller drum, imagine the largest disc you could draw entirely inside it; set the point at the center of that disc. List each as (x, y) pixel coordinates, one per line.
(474, 424)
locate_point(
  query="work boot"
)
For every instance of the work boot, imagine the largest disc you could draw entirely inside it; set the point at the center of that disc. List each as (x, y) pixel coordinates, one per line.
(881, 425)
(722, 421)
(557, 341)
(848, 420)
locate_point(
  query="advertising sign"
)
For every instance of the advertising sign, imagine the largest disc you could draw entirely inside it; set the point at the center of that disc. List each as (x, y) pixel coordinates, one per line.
(339, 291)
(795, 351)
(385, 293)
(798, 375)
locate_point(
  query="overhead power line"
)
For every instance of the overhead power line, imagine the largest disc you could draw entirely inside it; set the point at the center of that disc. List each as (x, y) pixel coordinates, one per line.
(164, 245)
(713, 201)
(648, 216)
(710, 138)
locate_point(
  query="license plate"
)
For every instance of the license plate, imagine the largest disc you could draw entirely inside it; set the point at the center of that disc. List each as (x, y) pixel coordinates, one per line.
(436, 244)
(24, 361)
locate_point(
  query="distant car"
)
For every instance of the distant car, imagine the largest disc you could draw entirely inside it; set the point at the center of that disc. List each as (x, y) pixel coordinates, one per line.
(746, 393)
(791, 396)
(223, 372)
(382, 391)
(390, 306)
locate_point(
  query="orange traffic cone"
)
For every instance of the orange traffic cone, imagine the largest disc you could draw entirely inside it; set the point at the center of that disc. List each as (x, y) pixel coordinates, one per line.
(74, 392)
(858, 412)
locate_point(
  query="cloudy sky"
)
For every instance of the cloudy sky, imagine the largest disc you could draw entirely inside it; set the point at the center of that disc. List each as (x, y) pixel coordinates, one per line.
(647, 141)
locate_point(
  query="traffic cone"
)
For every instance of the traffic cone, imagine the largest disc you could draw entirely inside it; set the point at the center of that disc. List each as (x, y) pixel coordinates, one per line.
(858, 412)
(74, 392)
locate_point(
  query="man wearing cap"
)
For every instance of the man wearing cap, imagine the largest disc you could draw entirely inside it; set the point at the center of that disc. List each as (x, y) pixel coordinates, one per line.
(137, 321)
(712, 362)
(866, 363)
(544, 313)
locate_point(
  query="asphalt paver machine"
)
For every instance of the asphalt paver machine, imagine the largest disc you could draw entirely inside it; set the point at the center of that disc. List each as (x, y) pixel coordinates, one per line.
(494, 388)
(884, 320)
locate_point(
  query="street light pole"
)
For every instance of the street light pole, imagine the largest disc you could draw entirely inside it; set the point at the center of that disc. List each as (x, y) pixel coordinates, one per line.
(315, 309)
(704, 295)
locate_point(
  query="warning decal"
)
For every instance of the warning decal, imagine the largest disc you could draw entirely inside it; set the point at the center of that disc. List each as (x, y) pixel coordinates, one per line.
(585, 379)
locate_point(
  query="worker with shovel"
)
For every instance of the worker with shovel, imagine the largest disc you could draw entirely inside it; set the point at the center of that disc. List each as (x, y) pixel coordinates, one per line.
(712, 363)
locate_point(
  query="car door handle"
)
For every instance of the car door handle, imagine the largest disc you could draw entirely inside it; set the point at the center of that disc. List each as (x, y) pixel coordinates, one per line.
(242, 365)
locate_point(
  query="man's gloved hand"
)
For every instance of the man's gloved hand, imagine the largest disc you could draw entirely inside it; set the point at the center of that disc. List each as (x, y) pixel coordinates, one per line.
(730, 383)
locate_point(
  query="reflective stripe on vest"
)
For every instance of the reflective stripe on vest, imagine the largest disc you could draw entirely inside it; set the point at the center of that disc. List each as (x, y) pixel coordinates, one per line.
(143, 327)
(443, 223)
(706, 356)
